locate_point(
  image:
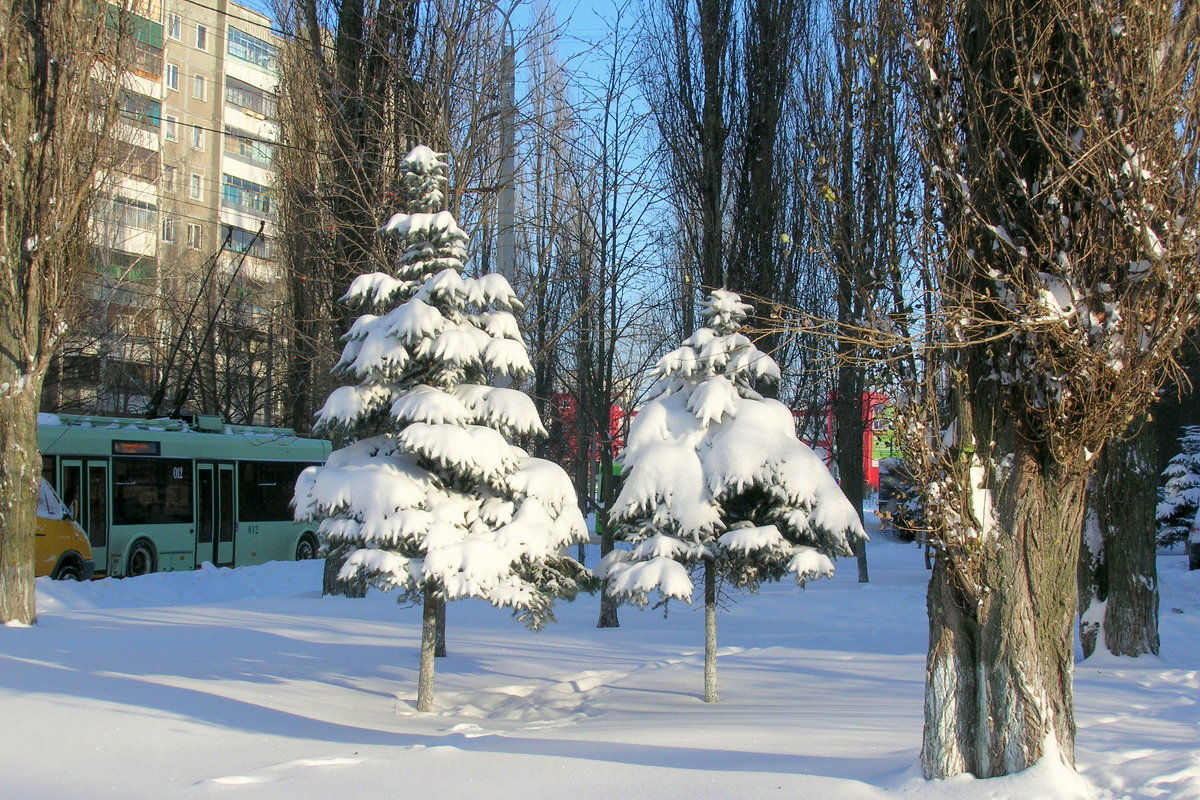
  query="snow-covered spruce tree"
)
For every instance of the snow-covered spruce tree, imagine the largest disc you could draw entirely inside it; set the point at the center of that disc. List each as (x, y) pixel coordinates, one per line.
(716, 478)
(1179, 497)
(432, 497)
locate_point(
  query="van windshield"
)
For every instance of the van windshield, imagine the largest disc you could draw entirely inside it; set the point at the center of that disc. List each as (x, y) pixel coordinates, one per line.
(49, 506)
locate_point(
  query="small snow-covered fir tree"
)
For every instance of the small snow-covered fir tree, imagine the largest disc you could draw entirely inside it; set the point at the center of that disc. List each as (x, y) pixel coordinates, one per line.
(715, 476)
(1179, 497)
(432, 498)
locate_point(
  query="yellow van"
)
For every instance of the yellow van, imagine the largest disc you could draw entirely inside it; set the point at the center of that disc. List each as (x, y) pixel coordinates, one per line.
(60, 548)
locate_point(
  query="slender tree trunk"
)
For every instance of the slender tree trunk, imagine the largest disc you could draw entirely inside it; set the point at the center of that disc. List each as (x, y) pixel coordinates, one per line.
(19, 474)
(332, 585)
(429, 629)
(710, 632)
(608, 612)
(439, 649)
(849, 423)
(608, 606)
(1118, 574)
(999, 669)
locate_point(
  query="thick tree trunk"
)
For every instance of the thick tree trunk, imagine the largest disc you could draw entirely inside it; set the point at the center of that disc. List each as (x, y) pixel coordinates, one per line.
(429, 629)
(710, 632)
(999, 669)
(20, 467)
(1118, 574)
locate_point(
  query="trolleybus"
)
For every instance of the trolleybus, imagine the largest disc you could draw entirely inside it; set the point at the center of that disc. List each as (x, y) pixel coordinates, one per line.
(169, 494)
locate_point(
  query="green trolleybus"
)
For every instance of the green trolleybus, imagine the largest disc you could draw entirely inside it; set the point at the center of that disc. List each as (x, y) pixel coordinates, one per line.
(167, 495)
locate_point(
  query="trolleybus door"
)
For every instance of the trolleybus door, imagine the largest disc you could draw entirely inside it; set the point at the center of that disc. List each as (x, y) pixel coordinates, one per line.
(215, 514)
(85, 491)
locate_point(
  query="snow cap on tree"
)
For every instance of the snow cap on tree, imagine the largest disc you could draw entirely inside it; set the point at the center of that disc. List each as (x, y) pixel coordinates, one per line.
(713, 470)
(424, 176)
(433, 496)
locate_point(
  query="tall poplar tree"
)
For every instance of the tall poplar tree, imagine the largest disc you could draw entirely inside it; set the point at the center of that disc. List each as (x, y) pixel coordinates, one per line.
(60, 68)
(1062, 142)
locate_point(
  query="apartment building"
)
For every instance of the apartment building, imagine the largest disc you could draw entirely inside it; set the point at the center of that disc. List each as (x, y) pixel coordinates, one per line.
(186, 274)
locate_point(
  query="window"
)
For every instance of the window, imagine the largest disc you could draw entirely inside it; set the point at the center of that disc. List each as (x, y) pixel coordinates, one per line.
(174, 26)
(198, 137)
(132, 213)
(248, 147)
(148, 491)
(168, 229)
(137, 162)
(199, 87)
(123, 266)
(201, 38)
(265, 490)
(252, 49)
(172, 77)
(142, 111)
(244, 241)
(171, 129)
(245, 195)
(168, 179)
(147, 60)
(195, 236)
(250, 99)
(195, 189)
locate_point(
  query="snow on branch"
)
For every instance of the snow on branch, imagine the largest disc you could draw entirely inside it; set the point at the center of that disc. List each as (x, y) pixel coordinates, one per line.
(715, 472)
(430, 497)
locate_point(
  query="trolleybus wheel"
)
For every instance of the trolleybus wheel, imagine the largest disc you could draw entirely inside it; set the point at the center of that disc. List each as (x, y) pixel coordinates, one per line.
(307, 548)
(141, 559)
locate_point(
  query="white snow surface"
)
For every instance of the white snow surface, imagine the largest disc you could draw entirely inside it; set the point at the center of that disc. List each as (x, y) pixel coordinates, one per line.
(248, 684)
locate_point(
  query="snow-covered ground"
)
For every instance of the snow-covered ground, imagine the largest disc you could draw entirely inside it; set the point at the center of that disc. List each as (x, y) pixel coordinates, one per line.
(247, 684)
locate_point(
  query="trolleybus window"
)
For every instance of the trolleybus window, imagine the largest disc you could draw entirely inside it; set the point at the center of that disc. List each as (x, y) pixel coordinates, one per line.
(151, 491)
(265, 490)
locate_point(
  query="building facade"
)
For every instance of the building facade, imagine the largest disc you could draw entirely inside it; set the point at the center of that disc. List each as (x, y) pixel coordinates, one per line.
(182, 308)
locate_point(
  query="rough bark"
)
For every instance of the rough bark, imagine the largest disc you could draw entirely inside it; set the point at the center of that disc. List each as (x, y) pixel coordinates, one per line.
(58, 115)
(1023, 211)
(998, 674)
(429, 629)
(1118, 573)
(20, 469)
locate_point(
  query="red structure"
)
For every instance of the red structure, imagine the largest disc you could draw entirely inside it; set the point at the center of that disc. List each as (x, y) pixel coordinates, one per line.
(566, 428)
(873, 404)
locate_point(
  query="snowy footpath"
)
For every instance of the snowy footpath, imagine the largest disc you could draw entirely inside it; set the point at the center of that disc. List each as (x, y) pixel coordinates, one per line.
(247, 684)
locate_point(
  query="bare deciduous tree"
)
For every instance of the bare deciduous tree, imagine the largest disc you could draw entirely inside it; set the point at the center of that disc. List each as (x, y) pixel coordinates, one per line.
(62, 72)
(1062, 141)
(691, 78)
(857, 154)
